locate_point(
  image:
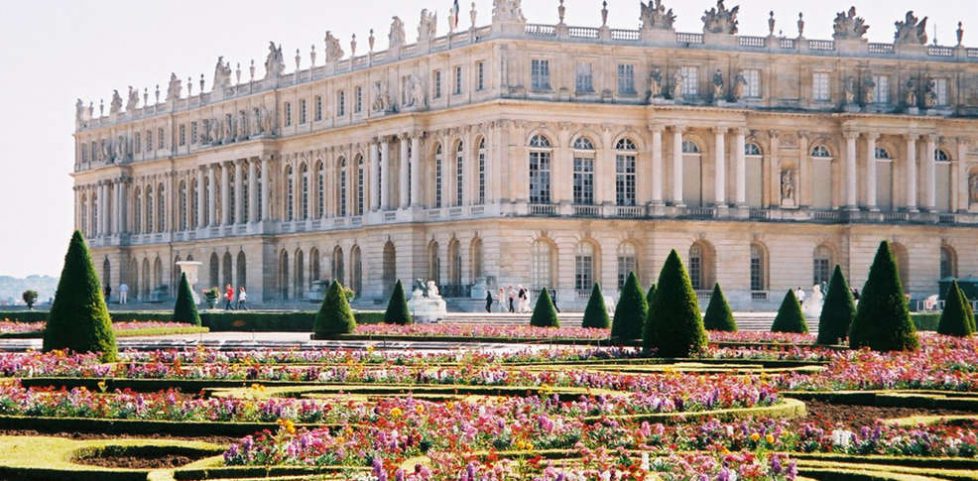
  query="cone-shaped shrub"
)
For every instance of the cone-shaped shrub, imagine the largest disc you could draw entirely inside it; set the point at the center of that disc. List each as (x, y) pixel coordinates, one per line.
(335, 316)
(718, 315)
(649, 295)
(838, 310)
(631, 311)
(674, 327)
(397, 308)
(790, 318)
(596, 312)
(544, 314)
(882, 320)
(955, 320)
(971, 312)
(185, 309)
(79, 319)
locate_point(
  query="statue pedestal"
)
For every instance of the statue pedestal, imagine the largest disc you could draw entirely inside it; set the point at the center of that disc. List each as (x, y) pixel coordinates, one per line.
(190, 269)
(427, 310)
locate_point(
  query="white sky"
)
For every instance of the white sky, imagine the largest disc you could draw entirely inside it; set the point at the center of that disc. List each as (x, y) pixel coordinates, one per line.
(56, 51)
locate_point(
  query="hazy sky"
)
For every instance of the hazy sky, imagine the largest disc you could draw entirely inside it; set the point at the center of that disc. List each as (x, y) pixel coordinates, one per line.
(56, 51)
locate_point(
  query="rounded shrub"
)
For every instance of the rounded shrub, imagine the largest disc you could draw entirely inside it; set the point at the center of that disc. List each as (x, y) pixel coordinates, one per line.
(544, 313)
(596, 312)
(335, 316)
(79, 319)
(674, 327)
(790, 318)
(631, 311)
(882, 321)
(838, 310)
(185, 310)
(397, 308)
(956, 319)
(718, 315)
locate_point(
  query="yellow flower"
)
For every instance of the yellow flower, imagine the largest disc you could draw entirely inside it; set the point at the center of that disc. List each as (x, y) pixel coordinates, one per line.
(769, 438)
(258, 387)
(419, 408)
(523, 445)
(755, 437)
(287, 425)
(396, 412)
(101, 386)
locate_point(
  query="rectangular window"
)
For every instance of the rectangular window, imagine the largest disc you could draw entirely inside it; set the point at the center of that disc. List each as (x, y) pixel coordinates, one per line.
(436, 84)
(626, 79)
(341, 104)
(540, 178)
(820, 87)
(584, 275)
(940, 89)
(691, 81)
(358, 100)
(459, 177)
(318, 109)
(458, 80)
(480, 76)
(882, 89)
(583, 181)
(625, 180)
(438, 181)
(540, 71)
(756, 279)
(84, 153)
(193, 133)
(183, 135)
(626, 265)
(822, 271)
(137, 144)
(149, 141)
(585, 80)
(302, 111)
(696, 272)
(753, 78)
(160, 143)
(482, 173)
(288, 114)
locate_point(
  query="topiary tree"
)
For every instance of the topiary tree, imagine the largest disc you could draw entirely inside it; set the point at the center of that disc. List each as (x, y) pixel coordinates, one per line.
(649, 295)
(596, 312)
(790, 318)
(79, 319)
(838, 310)
(631, 311)
(544, 313)
(955, 319)
(882, 321)
(971, 311)
(185, 309)
(335, 316)
(397, 308)
(674, 327)
(30, 297)
(718, 316)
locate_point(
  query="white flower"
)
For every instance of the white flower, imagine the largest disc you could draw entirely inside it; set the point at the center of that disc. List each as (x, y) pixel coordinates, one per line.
(842, 438)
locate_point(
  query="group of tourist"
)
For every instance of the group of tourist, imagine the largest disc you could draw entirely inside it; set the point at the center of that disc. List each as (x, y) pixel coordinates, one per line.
(230, 303)
(518, 300)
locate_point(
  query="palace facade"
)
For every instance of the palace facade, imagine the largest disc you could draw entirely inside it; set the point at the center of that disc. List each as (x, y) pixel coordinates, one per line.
(544, 155)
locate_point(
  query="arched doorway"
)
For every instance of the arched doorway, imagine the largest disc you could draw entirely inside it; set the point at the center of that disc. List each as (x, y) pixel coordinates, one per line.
(242, 269)
(283, 275)
(389, 268)
(227, 266)
(215, 271)
(298, 282)
(356, 271)
(338, 273)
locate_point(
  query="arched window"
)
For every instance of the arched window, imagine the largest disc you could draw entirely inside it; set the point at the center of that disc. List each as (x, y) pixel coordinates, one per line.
(106, 274)
(158, 273)
(584, 155)
(341, 188)
(690, 147)
(701, 270)
(821, 152)
(758, 268)
(475, 258)
(883, 154)
(283, 275)
(541, 265)
(160, 209)
(289, 194)
(132, 276)
(439, 174)
(232, 187)
(299, 275)
(627, 262)
(245, 196)
(242, 270)
(137, 214)
(625, 173)
(540, 156)
(389, 267)
(434, 263)
(149, 210)
(481, 196)
(940, 155)
(454, 265)
(356, 274)
(304, 199)
(584, 267)
(215, 271)
(146, 279)
(228, 270)
(752, 149)
(459, 174)
(338, 272)
(320, 190)
(822, 266)
(949, 262)
(315, 273)
(360, 186)
(183, 206)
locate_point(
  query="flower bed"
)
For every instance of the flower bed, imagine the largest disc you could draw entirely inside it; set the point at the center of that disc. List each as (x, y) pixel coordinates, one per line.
(121, 328)
(484, 331)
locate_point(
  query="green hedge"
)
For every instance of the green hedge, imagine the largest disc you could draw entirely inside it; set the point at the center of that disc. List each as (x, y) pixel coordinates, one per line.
(926, 321)
(284, 321)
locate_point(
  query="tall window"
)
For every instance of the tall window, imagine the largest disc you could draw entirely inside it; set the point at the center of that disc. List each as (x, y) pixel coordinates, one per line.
(480, 76)
(232, 195)
(820, 87)
(149, 141)
(696, 267)
(320, 189)
(302, 111)
(541, 274)
(822, 266)
(289, 194)
(584, 81)
(691, 81)
(584, 267)
(481, 197)
(194, 204)
(342, 189)
(183, 205)
(753, 78)
(882, 89)
(83, 226)
(182, 134)
(358, 99)
(625, 173)
(626, 263)
(341, 103)
(436, 84)
(626, 79)
(458, 80)
(540, 73)
(940, 89)
(194, 134)
(288, 114)
(459, 174)
(160, 209)
(318, 109)
(439, 174)
(149, 210)
(758, 281)
(245, 197)
(258, 196)
(540, 154)
(360, 186)
(304, 199)
(94, 230)
(948, 266)
(160, 141)
(583, 171)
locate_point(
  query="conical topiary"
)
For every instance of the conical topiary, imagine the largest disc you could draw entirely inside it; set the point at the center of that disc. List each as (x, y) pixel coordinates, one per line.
(674, 327)
(718, 315)
(79, 319)
(790, 318)
(335, 316)
(397, 308)
(971, 311)
(631, 311)
(544, 313)
(185, 310)
(649, 295)
(596, 312)
(955, 319)
(838, 310)
(882, 320)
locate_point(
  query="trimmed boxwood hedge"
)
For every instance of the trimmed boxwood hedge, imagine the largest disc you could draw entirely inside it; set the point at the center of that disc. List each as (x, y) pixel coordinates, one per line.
(221, 321)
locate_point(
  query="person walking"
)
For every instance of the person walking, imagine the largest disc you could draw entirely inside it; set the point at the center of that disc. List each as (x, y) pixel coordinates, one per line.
(501, 298)
(228, 297)
(242, 299)
(123, 293)
(521, 299)
(512, 300)
(553, 297)
(489, 301)
(108, 293)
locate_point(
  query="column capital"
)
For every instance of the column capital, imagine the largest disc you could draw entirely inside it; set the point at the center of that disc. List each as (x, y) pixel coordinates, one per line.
(656, 127)
(741, 131)
(873, 136)
(720, 130)
(850, 135)
(911, 136)
(678, 128)
(933, 137)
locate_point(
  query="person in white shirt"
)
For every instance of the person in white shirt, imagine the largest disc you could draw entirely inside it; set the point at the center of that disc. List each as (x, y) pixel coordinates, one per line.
(123, 293)
(242, 298)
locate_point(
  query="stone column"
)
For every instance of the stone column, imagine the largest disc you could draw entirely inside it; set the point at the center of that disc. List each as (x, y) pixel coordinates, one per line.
(403, 177)
(677, 166)
(252, 192)
(117, 213)
(912, 172)
(852, 200)
(266, 179)
(871, 171)
(201, 199)
(238, 191)
(720, 169)
(467, 175)
(930, 175)
(212, 195)
(123, 206)
(101, 208)
(741, 167)
(385, 173)
(657, 179)
(415, 170)
(372, 197)
(225, 195)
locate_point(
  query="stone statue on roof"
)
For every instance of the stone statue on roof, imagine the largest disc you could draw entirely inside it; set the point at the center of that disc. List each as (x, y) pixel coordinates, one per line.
(133, 102)
(397, 37)
(173, 89)
(116, 105)
(428, 26)
(334, 51)
(849, 26)
(655, 15)
(721, 20)
(911, 31)
(274, 61)
(222, 75)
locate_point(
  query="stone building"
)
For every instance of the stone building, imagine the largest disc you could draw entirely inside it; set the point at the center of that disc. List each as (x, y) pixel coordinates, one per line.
(548, 156)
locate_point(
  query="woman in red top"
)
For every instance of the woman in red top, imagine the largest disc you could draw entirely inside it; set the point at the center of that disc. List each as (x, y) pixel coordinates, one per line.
(228, 297)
